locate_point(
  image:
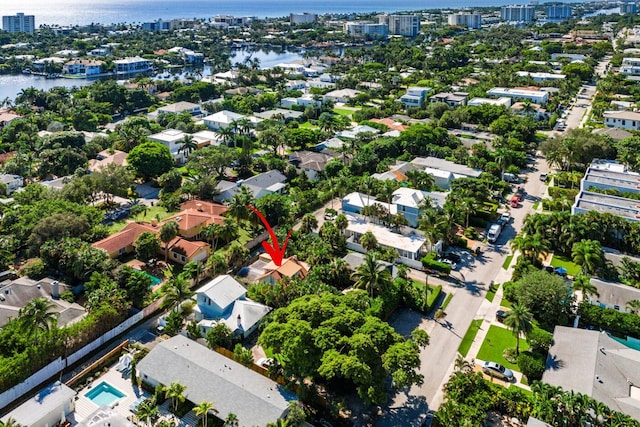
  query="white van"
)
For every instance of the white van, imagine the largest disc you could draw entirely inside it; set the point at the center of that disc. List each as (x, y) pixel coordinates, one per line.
(494, 232)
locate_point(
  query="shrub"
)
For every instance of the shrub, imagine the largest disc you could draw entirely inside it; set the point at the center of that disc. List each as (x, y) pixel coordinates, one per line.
(68, 296)
(558, 192)
(532, 365)
(460, 242)
(540, 340)
(471, 233)
(34, 269)
(429, 262)
(612, 320)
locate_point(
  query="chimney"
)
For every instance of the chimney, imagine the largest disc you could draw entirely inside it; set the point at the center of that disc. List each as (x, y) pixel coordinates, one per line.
(239, 321)
(55, 291)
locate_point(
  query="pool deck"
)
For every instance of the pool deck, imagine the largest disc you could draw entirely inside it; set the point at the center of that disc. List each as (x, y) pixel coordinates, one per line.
(85, 407)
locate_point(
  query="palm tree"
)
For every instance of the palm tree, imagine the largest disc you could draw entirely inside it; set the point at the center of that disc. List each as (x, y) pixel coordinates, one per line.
(582, 283)
(11, 422)
(202, 410)
(38, 316)
(633, 306)
(231, 420)
(532, 246)
(371, 275)
(176, 290)
(588, 254)
(519, 321)
(309, 223)
(176, 393)
(236, 253)
(147, 412)
(341, 222)
(228, 135)
(368, 241)
(168, 232)
(216, 264)
(228, 230)
(239, 202)
(187, 145)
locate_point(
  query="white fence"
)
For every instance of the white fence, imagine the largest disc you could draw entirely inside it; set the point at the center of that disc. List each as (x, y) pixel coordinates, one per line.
(59, 364)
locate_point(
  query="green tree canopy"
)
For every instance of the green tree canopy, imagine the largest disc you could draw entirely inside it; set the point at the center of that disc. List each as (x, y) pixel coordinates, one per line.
(150, 159)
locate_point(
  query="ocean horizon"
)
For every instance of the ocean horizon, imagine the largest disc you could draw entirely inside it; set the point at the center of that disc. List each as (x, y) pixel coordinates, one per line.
(83, 12)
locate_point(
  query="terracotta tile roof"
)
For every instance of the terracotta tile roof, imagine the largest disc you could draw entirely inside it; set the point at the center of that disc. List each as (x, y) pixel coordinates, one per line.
(289, 268)
(6, 156)
(190, 218)
(391, 124)
(127, 236)
(200, 205)
(185, 247)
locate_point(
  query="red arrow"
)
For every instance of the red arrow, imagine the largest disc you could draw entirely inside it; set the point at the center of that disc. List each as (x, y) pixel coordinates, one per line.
(274, 250)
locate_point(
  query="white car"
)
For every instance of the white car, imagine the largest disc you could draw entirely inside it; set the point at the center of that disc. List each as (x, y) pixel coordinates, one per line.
(264, 362)
(505, 218)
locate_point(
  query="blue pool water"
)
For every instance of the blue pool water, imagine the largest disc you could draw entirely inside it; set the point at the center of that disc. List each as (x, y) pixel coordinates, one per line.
(104, 394)
(154, 280)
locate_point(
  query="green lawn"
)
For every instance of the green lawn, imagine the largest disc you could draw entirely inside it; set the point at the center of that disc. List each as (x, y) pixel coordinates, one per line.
(491, 293)
(151, 213)
(535, 205)
(494, 344)
(562, 261)
(307, 125)
(507, 262)
(344, 111)
(447, 300)
(505, 303)
(465, 345)
(434, 292)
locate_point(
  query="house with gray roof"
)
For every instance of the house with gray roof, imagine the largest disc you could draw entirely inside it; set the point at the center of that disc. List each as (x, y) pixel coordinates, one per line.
(444, 171)
(269, 182)
(224, 299)
(311, 163)
(46, 408)
(613, 295)
(210, 376)
(595, 364)
(18, 293)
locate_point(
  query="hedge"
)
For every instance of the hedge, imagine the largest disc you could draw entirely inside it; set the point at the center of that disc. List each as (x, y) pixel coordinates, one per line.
(558, 192)
(532, 365)
(429, 262)
(613, 321)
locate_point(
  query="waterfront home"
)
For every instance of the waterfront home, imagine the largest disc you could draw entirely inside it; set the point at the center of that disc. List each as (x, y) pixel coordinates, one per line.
(83, 67)
(132, 65)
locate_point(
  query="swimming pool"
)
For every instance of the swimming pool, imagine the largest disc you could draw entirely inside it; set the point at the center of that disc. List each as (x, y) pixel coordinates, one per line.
(154, 280)
(104, 394)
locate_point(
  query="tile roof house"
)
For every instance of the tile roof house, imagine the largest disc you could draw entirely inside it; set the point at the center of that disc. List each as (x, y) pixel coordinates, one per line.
(224, 300)
(181, 107)
(269, 182)
(210, 376)
(7, 117)
(291, 267)
(105, 157)
(595, 364)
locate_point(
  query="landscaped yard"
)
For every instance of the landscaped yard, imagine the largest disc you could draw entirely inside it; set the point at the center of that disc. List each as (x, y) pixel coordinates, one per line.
(491, 293)
(307, 125)
(465, 345)
(507, 262)
(344, 111)
(434, 292)
(154, 212)
(559, 260)
(494, 344)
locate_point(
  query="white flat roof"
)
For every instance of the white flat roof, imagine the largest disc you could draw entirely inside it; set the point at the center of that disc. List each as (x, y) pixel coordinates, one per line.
(385, 236)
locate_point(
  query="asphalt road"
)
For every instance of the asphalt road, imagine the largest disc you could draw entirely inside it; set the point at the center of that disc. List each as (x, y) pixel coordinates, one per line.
(475, 274)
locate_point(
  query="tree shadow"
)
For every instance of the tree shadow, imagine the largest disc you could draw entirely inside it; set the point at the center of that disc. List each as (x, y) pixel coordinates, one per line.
(411, 412)
(554, 364)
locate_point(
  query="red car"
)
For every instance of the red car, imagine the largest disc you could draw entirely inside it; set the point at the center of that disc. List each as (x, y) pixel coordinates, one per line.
(514, 201)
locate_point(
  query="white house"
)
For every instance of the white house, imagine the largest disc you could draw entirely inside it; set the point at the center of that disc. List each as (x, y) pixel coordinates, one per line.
(181, 107)
(46, 408)
(630, 66)
(171, 138)
(357, 130)
(13, 182)
(132, 65)
(86, 67)
(341, 95)
(452, 99)
(415, 96)
(541, 77)
(622, 119)
(537, 96)
(222, 119)
(505, 102)
(224, 300)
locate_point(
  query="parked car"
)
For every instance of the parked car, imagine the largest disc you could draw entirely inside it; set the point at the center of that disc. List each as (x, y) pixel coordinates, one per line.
(514, 201)
(264, 362)
(500, 315)
(330, 215)
(453, 257)
(520, 193)
(543, 177)
(494, 369)
(505, 218)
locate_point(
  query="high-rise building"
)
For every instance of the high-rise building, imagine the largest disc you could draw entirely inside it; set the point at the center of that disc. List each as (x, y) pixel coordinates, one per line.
(466, 19)
(558, 12)
(628, 7)
(363, 28)
(303, 18)
(401, 25)
(19, 23)
(518, 13)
